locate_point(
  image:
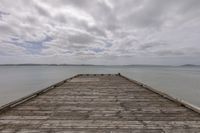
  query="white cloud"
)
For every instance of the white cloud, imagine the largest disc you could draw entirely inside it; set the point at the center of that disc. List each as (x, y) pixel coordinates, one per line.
(106, 31)
(7, 49)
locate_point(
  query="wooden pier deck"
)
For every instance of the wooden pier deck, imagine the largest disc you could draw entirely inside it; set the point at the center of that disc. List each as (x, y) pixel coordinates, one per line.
(99, 104)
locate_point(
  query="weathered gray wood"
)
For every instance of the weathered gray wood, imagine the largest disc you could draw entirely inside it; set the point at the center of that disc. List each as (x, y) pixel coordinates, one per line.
(99, 103)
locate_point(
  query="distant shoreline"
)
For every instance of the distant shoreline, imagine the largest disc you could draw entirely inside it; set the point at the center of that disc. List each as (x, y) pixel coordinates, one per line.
(136, 65)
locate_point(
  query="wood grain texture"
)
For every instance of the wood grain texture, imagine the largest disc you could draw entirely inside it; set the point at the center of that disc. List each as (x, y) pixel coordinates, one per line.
(100, 104)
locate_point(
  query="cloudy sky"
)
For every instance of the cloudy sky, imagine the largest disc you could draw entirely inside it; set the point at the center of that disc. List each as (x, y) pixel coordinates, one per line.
(100, 31)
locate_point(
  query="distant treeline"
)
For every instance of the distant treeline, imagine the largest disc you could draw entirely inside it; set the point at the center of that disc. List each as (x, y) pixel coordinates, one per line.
(46, 65)
(134, 65)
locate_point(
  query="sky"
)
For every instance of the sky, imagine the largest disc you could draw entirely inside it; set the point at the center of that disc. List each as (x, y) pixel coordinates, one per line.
(109, 32)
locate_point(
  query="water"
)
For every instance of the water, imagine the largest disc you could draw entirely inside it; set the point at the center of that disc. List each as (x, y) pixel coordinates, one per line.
(19, 81)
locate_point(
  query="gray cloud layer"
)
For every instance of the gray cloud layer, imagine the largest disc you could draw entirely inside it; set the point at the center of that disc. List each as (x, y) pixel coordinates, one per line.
(100, 31)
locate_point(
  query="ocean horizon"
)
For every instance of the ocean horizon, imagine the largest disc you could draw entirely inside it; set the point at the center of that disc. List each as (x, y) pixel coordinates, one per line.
(180, 82)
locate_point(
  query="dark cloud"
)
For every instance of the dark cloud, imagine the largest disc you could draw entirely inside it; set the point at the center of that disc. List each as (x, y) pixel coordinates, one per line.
(81, 38)
(42, 11)
(151, 45)
(2, 14)
(5, 28)
(148, 16)
(170, 53)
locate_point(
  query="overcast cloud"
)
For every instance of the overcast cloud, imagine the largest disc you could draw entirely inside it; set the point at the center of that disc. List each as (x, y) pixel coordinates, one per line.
(100, 31)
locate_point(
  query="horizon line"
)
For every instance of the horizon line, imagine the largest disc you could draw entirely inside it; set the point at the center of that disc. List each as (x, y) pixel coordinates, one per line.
(65, 64)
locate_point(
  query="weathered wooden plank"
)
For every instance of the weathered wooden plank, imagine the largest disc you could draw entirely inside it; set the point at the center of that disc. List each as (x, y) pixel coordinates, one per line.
(99, 103)
(83, 130)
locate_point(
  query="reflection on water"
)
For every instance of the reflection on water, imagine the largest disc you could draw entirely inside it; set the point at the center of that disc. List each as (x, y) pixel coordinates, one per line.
(19, 81)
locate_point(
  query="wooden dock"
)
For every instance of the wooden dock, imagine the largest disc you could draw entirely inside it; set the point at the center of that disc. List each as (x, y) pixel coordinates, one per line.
(102, 103)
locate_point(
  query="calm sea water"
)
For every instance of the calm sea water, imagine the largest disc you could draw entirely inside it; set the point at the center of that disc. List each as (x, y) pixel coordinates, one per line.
(19, 81)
